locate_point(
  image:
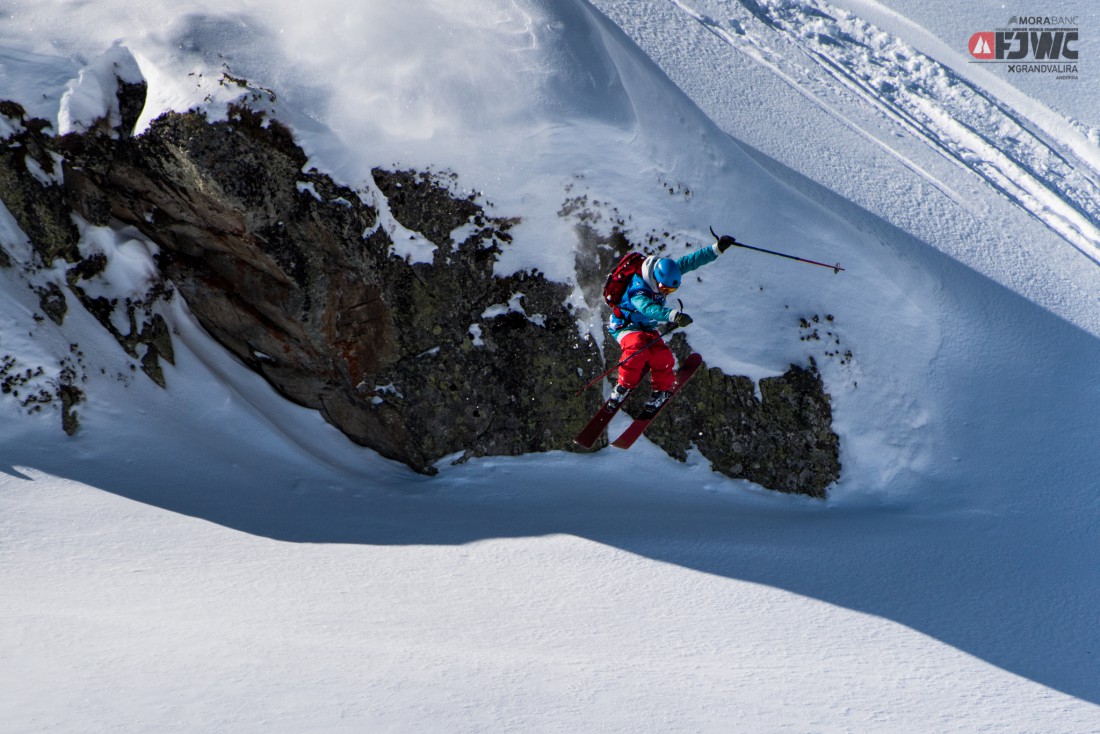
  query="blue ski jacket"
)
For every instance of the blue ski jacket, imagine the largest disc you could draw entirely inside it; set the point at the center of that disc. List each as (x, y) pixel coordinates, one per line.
(642, 305)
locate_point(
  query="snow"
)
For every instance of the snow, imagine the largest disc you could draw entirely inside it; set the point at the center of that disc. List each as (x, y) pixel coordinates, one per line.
(514, 305)
(91, 96)
(210, 557)
(475, 333)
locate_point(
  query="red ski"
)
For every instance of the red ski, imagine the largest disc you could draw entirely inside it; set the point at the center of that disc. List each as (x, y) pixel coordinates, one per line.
(635, 429)
(588, 435)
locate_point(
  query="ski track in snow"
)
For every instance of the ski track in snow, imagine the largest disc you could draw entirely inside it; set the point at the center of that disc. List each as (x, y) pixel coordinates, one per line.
(826, 53)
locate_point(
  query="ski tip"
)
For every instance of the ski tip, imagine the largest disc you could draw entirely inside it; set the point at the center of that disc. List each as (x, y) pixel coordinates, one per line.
(693, 360)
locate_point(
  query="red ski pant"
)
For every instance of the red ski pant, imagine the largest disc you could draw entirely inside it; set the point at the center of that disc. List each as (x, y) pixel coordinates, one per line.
(658, 356)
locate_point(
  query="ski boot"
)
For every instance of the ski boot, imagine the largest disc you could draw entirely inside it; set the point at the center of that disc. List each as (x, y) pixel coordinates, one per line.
(618, 395)
(656, 399)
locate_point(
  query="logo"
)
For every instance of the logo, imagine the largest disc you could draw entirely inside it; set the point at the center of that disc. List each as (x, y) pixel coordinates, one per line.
(1043, 20)
(982, 45)
(1024, 45)
(1032, 44)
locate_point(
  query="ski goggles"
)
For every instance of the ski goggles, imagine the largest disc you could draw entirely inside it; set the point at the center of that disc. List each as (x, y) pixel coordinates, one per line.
(664, 290)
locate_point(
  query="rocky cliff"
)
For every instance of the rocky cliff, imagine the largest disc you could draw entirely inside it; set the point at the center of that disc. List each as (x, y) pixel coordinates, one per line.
(295, 274)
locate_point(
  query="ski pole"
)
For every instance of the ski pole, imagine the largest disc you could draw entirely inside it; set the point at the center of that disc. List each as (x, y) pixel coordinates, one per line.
(650, 343)
(836, 268)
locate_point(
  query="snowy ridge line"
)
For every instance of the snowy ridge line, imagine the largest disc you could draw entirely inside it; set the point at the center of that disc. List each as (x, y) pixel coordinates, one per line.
(930, 101)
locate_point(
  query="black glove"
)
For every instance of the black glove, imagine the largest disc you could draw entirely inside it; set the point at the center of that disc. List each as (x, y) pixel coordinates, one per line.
(725, 242)
(682, 319)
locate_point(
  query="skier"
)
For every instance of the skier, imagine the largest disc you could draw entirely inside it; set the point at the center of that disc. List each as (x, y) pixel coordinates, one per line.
(643, 309)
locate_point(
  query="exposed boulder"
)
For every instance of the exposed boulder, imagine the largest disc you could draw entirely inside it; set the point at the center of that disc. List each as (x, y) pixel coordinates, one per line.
(783, 440)
(292, 272)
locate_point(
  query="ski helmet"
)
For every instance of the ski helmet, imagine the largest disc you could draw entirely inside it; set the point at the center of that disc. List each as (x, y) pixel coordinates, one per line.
(666, 274)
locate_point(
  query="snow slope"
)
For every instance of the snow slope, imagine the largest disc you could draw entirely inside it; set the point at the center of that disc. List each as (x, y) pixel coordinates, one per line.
(904, 124)
(211, 558)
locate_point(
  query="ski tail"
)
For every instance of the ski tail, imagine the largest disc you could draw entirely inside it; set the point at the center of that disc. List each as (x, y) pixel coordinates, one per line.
(595, 427)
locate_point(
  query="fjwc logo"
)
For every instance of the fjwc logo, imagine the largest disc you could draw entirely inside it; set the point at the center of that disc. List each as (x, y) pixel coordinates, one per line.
(1031, 44)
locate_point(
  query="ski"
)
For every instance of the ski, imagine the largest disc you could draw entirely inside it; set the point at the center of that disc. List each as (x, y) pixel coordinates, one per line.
(588, 435)
(635, 429)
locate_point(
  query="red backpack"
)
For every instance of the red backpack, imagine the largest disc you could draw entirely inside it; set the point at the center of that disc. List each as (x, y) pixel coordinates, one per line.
(619, 278)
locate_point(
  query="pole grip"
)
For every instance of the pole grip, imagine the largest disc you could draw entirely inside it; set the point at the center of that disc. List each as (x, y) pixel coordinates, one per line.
(835, 268)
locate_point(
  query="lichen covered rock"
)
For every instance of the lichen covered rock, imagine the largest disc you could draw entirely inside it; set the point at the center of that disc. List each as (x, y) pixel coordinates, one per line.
(292, 272)
(784, 440)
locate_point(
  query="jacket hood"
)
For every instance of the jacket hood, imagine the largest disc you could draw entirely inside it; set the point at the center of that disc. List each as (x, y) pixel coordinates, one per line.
(647, 272)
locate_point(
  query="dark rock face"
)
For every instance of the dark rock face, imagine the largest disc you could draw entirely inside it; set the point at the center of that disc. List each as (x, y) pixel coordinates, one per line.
(291, 272)
(298, 277)
(42, 210)
(784, 440)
